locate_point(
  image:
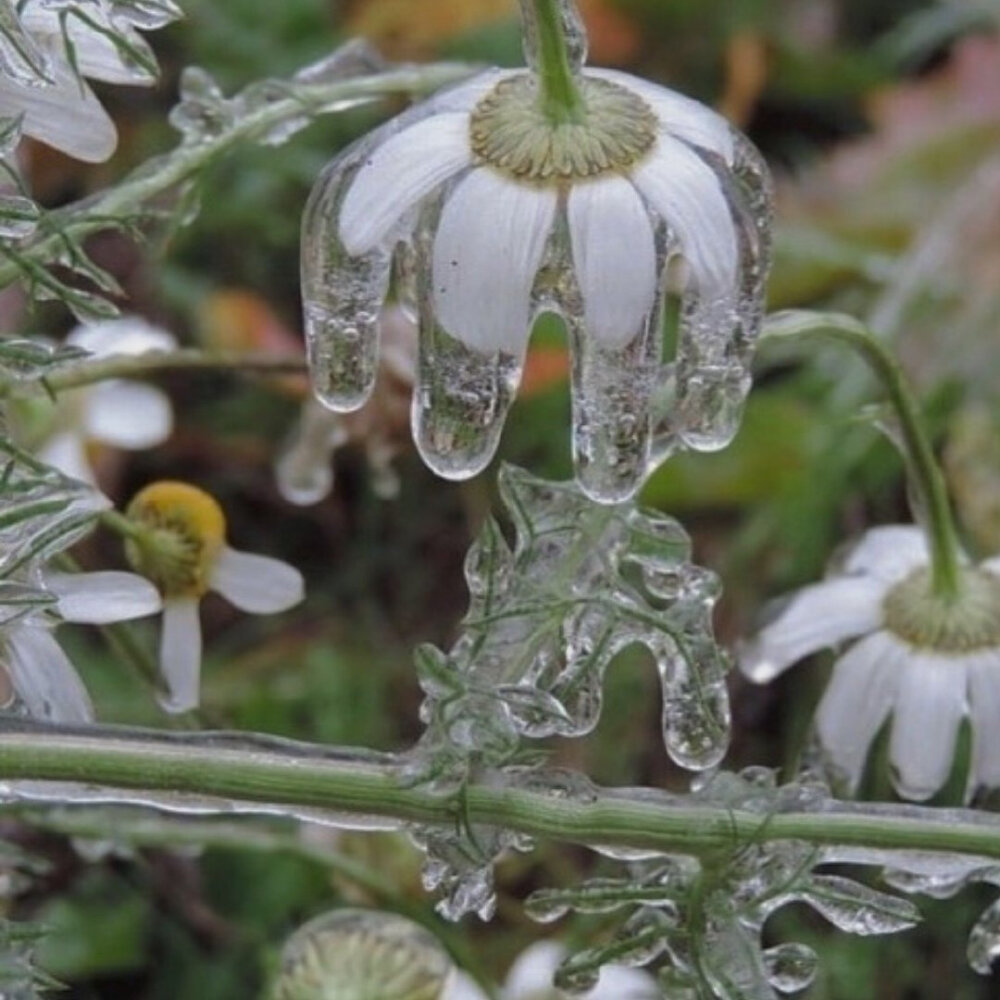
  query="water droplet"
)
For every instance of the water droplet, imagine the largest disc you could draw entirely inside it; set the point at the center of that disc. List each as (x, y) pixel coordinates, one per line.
(791, 967)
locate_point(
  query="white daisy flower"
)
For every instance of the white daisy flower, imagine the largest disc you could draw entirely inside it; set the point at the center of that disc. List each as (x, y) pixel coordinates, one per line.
(531, 975)
(38, 81)
(40, 674)
(121, 413)
(179, 542)
(925, 662)
(499, 212)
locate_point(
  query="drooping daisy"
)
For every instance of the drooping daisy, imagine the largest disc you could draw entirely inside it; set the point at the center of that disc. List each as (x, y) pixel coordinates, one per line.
(926, 661)
(178, 540)
(531, 975)
(121, 413)
(38, 80)
(39, 672)
(500, 201)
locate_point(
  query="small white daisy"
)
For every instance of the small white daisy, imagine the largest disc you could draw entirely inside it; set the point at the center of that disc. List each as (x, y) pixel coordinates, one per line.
(503, 213)
(179, 542)
(927, 662)
(531, 975)
(122, 413)
(38, 80)
(38, 670)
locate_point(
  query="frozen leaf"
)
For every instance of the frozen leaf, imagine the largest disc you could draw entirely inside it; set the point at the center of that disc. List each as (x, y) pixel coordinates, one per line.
(857, 909)
(23, 360)
(42, 511)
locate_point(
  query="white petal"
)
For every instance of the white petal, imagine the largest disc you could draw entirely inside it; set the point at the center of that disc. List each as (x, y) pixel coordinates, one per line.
(180, 654)
(100, 598)
(620, 983)
(816, 617)
(487, 251)
(858, 700)
(984, 701)
(44, 677)
(258, 584)
(682, 116)
(533, 970)
(466, 95)
(991, 565)
(687, 194)
(929, 707)
(461, 986)
(128, 414)
(398, 174)
(64, 115)
(130, 335)
(890, 553)
(615, 258)
(66, 451)
(96, 55)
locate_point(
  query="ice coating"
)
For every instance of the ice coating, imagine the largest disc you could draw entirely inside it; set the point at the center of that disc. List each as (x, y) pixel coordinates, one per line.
(702, 924)
(481, 253)
(545, 620)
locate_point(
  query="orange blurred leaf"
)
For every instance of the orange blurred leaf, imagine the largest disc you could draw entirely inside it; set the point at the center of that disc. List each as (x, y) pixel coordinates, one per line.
(235, 319)
(545, 368)
(408, 28)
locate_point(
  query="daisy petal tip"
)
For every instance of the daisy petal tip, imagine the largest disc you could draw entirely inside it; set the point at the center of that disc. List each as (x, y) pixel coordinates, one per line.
(257, 584)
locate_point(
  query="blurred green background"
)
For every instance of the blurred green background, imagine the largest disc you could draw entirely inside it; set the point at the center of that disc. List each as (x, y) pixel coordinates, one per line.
(883, 124)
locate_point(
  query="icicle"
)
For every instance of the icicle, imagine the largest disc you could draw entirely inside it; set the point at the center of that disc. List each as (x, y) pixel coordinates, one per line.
(342, 295)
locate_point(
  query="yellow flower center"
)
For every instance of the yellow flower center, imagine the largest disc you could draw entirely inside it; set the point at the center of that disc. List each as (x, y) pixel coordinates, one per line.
(965, 624)
(180, 530)
(511, 132)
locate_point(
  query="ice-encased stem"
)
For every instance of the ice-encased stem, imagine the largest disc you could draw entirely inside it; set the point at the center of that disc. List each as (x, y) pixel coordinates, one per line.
(144, 766)
(925, 473)
(554, 47)
(152, 179)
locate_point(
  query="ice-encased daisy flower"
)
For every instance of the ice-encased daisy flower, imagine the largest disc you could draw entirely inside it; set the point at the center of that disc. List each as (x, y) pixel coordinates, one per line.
(531, 975)
(178, 540)
(40, 673)
(47, 50)
(927, 662)
(495, 211)
(122, 413)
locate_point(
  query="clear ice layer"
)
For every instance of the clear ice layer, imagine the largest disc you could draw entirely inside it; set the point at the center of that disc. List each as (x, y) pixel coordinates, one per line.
(702, 923)
(632, 407)
(547, 617)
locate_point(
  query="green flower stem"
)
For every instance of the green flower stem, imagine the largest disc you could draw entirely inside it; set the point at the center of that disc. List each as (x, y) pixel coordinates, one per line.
(144, 766)
(561, 98)
(154, 178)
(925, 472)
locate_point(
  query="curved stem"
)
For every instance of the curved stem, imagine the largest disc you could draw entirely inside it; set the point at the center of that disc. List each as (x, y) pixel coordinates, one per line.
(217, 773)
(138, 366)
(925, 472)
(546, 27)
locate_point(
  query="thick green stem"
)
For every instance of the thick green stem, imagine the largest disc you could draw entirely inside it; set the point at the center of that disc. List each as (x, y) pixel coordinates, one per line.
(148, 767)
(156, 177)
(545, 23)
(925, 473)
